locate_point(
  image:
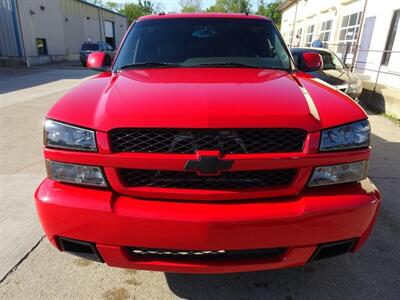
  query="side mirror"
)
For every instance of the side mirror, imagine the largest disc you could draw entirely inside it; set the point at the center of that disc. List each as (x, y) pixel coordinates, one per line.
(99, 61)
(311, 61)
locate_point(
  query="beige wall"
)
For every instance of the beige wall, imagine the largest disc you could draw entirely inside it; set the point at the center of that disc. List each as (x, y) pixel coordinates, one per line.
(37, 23)
(65, 24)
(91, 27)
(121, 26)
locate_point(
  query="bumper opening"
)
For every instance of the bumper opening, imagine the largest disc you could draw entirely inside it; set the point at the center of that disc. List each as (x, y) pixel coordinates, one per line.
(333, 249)
(195, 255)
(79, 248)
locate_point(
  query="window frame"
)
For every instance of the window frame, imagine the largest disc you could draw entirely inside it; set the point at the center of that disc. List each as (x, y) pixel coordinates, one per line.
(310, 35)
(44, 41)
(391, 37)
(326, 32)
(347, 27)
(290, 37)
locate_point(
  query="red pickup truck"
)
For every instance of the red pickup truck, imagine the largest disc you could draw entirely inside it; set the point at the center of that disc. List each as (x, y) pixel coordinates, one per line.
(202, 149)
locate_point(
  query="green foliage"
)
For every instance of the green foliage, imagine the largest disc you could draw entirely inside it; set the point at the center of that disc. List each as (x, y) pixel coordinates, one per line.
(106, 4)
(135, 10)
(271, 11)
(112, 5)
(189, 6)
(235, 6)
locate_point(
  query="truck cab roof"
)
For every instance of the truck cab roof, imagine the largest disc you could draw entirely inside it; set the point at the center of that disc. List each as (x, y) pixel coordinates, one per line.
(202, 15)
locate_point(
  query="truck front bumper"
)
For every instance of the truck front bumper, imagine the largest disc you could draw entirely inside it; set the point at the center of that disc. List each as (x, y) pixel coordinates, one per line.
(300, 224)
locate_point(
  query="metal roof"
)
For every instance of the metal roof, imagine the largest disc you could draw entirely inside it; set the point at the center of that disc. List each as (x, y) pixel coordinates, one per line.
(102, 8)
(286, 4)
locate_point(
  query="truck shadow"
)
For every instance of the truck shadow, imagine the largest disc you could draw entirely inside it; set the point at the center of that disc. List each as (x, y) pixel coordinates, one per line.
(373, 272)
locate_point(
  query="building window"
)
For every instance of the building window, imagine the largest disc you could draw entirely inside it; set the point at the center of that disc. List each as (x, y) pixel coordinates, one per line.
(350, 27)
(109, 31)
(391, 37)
(325, 32)
(299, 32)
(348, 36)
(309, 35)
(290, 38)
(285, 37)
(41, 46)
(297, 40)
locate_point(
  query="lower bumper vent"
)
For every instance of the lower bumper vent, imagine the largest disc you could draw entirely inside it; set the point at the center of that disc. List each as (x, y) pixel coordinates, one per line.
(333, 249)
(166, 254)
(80, 248)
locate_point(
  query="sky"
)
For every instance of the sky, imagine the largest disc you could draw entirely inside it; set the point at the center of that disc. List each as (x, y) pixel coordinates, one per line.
(173, 5)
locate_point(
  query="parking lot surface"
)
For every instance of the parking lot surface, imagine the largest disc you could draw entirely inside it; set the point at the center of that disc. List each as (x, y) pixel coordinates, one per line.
(32, 269)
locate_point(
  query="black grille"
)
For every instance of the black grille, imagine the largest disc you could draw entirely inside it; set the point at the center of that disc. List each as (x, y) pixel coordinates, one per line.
(162, 254)
(191, 140)
(190, 180)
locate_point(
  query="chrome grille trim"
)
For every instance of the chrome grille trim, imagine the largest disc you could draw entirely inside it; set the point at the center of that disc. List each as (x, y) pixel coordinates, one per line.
(222, 254)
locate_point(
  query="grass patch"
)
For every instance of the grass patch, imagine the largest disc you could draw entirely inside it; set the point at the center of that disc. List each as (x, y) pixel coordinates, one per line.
(391, 118)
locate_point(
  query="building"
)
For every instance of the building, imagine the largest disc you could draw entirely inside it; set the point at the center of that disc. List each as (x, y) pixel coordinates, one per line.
(44, 31)
(360, 31)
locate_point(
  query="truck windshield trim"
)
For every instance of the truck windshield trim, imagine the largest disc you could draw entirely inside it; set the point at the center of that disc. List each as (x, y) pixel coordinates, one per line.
(202, 42)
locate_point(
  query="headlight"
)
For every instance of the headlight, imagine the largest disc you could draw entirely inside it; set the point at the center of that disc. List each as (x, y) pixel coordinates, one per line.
(356, 86)
(78, 174)
(355, 135)
(336, 174)
(59, 135)
(353, 86)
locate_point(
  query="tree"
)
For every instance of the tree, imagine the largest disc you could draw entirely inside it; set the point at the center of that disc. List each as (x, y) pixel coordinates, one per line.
(135, 10)
(235, 6)
(190, 5)
(271, 11)
(112, 5)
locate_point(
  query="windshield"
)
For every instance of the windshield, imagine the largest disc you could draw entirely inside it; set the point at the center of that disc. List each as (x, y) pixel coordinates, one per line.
(204, 42)
(331, 62)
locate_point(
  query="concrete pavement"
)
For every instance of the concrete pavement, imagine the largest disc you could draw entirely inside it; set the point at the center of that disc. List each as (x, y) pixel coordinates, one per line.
(25, 97)
(382, 98)
(41, 272)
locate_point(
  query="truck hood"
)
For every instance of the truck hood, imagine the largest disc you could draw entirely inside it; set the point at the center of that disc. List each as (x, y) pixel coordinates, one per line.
(205, 98)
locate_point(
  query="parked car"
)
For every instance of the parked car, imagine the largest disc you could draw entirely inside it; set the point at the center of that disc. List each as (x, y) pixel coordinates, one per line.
(88, 48)
(202, 149)
(333, 71)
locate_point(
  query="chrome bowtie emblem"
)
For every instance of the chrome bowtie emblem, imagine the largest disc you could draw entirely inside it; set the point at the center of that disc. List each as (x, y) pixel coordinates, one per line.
(208, 164)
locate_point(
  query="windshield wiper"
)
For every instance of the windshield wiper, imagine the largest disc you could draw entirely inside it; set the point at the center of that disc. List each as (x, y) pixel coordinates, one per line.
(234, 65)
(150, 65)
(223, 64)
